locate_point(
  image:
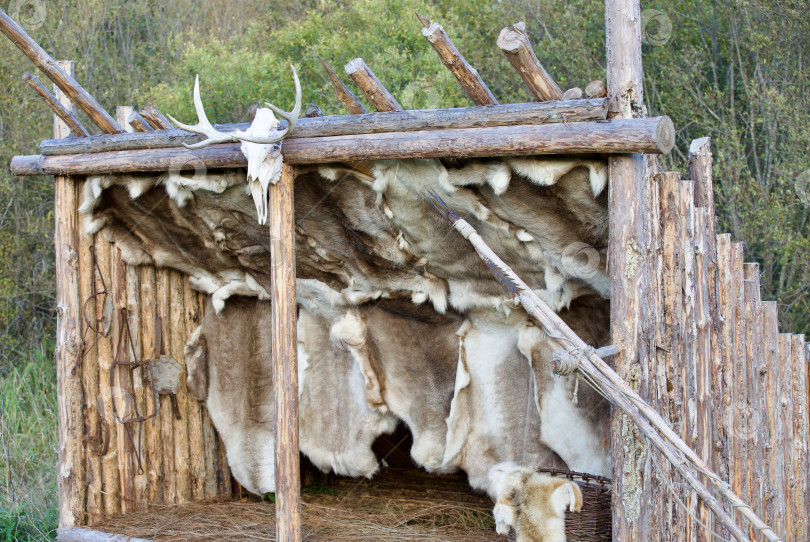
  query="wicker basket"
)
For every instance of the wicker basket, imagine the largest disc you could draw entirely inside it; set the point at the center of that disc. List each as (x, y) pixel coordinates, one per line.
(595, 522)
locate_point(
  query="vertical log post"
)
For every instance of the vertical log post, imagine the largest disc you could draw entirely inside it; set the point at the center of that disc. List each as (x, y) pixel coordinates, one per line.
(800, 429)
(285, 364)
(776, 461)
(629, 262)
(70, 394)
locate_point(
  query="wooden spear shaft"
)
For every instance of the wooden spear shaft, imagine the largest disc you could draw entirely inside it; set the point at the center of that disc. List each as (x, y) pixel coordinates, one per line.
(621, 394)
(78, 95)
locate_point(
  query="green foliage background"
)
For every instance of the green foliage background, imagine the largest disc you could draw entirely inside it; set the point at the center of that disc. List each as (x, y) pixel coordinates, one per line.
(735, 70)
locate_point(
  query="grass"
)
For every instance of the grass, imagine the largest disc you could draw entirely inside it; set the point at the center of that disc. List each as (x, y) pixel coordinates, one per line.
(28, 447)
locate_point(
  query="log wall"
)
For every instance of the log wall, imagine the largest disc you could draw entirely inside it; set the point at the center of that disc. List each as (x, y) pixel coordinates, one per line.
(181, 457)
(729, 383)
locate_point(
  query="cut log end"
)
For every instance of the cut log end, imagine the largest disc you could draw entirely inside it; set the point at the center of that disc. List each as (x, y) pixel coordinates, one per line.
(433, 32)
(573, 94)
(596, 89)
(355, 65)
(512, 40)
(665, 134)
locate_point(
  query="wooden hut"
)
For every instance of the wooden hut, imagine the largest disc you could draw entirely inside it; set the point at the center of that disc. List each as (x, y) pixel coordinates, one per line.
(692, 337)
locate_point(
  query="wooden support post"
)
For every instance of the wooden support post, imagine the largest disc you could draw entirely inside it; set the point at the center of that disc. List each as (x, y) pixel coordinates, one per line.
(467, 76)
(786, 404)
(375, 91)
(66, 82)
(60, 110)
(285, 364)
(629, 262)
(346, 96)
(515, 45)
(70, 394)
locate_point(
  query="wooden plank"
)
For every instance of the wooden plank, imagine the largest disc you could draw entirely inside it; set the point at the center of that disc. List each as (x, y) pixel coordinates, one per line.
(175, 343)
(169, 472)
(93, 429)
(518, 49)
(109, 467)
(799, 401)
(754, 428)
(285, 346)
(468, 77)
(649, 135)
(196, 442)
(122, 392)
(739, 386)
(785, 399)
(775, 510)
(673, 329)
(688, 350)
(344, 95)
(142, 399)
(69, 390)
(703, 355)
(379, 96)
(59, 110)
(56, 73)
(152, 441)
(356, 124)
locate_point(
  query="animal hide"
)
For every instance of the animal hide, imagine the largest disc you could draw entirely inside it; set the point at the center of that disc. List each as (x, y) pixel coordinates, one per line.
(399, 320)
(533, 504)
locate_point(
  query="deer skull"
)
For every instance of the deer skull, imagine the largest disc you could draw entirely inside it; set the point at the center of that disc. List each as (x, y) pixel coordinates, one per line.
(260, 142)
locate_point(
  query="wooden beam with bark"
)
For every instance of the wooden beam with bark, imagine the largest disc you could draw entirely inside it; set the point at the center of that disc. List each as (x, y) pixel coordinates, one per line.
(515, 44)
(649, 135)
(155, 118)
(379, 96)
(344, 95)
(337, 125)
(467, 76)
(77, 94)
(60, 110)
(139, 123)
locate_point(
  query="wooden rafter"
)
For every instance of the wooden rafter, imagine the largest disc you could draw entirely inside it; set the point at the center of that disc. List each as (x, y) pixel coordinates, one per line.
(379, 96)
(60, 110)
(518, 49)
(344, 95)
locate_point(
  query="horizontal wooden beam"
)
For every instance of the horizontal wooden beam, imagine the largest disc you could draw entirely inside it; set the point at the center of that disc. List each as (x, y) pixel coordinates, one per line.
(335, 125)
(67, 84)
(647, 135)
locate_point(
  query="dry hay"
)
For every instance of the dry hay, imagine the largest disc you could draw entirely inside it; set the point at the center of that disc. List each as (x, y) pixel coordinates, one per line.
(325, 517)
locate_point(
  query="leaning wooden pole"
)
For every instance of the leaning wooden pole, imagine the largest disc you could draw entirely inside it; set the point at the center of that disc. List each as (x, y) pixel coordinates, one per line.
(282, 262)
(65, 81)
(59, 110)
(629, 262)
(70, 393)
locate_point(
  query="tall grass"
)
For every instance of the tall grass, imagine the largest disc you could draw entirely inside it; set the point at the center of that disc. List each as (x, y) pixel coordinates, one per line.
(28, 447)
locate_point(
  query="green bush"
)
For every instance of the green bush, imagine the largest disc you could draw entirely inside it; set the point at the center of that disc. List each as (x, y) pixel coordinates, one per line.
(20, 525)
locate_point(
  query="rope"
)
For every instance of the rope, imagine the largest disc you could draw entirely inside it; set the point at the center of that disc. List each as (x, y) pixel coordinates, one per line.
(567, 361)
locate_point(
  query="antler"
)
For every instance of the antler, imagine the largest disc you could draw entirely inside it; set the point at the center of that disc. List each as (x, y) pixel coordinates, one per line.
(292, 118)
(204, 126)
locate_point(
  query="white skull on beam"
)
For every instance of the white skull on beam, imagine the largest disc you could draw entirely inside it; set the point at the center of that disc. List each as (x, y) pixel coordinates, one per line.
(260, 142)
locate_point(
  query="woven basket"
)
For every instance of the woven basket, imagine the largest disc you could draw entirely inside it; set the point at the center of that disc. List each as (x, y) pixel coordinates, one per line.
(595, 522)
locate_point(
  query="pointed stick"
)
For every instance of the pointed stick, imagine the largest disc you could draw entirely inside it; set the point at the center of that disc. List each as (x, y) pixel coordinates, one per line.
(465, 74)
(346, 96)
